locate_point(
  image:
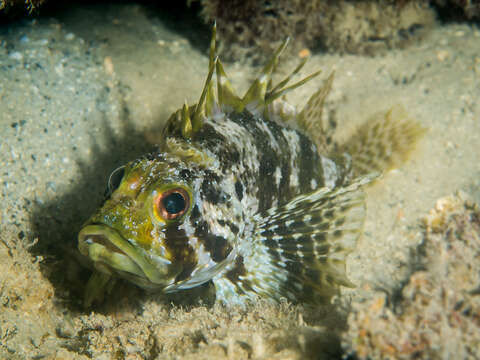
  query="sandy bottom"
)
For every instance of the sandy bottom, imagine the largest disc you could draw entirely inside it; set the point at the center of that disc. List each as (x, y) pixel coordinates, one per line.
(89, 89)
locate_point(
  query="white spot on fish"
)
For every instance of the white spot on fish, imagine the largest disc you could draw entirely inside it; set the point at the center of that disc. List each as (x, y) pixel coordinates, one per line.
(293, 141)
(277, 176)
(330, 171)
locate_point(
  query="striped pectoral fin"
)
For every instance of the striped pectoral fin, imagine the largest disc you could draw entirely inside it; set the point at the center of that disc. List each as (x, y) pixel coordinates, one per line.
(383, 142)
(299, 249)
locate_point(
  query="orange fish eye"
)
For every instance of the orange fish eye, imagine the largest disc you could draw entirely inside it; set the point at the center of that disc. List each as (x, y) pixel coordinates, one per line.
(172, 203)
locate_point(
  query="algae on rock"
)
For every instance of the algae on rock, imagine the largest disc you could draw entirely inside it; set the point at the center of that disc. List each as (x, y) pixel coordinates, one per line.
(254, 28)
(438, 314)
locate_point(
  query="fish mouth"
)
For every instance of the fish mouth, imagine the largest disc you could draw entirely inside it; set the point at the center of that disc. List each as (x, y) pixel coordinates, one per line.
(112, 253)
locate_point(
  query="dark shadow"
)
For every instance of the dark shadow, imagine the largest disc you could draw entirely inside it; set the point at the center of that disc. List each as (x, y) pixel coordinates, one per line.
(56, 224)
(176, 16)
(182, 19)
(451, 12)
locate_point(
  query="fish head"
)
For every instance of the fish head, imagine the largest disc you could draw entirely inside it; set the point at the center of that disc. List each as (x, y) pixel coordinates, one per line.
(147, 231)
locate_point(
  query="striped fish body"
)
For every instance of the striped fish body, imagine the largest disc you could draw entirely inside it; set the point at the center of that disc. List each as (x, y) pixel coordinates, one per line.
(268, 162)
(237, 197)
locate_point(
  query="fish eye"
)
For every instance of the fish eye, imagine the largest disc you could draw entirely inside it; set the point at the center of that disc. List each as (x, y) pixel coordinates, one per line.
(172, 203)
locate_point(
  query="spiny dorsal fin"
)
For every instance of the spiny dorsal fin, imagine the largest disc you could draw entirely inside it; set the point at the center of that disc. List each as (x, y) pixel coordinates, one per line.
(255, 95)
(257, 98)
(289, 76)
(310, 118)
(207, 99)
(210, 99)
(186, 122)
(300, 248)
(283, 91)
(383, 142)
(213, 45)
(227, 98)
(262, 93)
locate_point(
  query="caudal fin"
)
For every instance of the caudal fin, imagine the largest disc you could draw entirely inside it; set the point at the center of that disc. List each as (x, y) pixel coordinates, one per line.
(383, 142)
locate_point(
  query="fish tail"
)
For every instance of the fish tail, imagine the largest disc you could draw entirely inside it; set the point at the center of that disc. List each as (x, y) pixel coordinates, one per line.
(384, 142)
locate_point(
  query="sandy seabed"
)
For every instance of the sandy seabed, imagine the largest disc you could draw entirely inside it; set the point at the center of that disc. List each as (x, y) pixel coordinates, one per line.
(89, 89)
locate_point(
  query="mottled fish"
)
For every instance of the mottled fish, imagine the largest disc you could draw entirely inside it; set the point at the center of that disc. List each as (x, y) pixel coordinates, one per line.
(237, 196)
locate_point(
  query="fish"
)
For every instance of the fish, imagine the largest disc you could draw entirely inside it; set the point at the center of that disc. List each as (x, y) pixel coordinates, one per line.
(245, 192)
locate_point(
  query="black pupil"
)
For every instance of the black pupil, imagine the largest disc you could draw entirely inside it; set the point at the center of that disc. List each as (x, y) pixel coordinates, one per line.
(174, 203)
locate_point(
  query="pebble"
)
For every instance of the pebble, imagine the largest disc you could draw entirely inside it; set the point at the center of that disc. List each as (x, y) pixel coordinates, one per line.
(108, 65)
(442, 55)
(59, 69)
(304, 53)
(16, 55)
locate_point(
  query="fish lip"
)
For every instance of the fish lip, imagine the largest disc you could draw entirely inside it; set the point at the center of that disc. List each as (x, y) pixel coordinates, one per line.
(102, 243)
